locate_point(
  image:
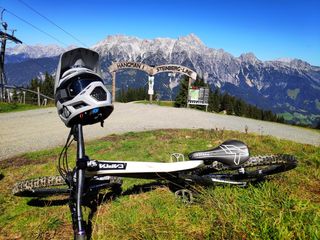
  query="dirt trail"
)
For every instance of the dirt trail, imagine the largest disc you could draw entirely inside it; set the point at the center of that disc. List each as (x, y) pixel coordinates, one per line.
(33, 130)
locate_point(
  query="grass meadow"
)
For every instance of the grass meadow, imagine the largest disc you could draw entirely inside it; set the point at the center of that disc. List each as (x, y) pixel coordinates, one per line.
(285, 206)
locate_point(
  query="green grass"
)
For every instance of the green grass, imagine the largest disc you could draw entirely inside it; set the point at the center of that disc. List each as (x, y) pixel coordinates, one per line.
(160, 103)
(299, 118)
(287, 206)
(16, 107)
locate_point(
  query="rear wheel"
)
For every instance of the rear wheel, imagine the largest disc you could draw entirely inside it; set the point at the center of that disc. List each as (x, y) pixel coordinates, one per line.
(262, 166)
(256, 168)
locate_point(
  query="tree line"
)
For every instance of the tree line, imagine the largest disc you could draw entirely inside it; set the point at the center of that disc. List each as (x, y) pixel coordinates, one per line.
(132, 94)
(219, 102)
(46, 87)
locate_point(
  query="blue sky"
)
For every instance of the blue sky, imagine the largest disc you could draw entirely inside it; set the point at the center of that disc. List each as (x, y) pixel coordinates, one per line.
(270, 29)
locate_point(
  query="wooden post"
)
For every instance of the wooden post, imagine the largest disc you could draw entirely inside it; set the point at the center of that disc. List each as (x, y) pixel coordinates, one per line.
(113, 86)
(38, 90)
(24, 97)
(150, 98)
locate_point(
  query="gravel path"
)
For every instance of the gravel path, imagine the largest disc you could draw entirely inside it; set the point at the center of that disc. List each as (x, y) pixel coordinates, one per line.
(33, 130)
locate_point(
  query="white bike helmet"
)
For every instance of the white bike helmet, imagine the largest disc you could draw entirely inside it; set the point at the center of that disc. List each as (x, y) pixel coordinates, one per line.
(80, 95)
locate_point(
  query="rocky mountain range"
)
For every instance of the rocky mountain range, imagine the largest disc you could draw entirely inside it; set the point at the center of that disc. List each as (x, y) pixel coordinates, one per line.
(287, 86)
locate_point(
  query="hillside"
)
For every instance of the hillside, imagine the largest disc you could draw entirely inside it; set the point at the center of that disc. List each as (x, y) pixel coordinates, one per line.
(285, 206)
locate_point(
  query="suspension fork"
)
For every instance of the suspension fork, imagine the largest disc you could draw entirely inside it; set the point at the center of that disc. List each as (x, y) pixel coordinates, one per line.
(77, 193)
(72, 207)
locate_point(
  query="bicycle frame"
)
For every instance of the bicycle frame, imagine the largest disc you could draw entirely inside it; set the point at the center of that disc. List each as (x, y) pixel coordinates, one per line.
(90, 168)
(87, 169)
(146, 170)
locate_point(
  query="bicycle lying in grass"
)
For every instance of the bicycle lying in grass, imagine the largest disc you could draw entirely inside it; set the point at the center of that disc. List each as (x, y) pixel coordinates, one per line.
(82, 99)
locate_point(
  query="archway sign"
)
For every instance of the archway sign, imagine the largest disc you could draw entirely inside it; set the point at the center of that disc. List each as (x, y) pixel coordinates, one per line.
(151, 71)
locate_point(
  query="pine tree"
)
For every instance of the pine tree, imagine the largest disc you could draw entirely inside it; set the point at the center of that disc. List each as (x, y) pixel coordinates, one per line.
(280, 119)
(215, 103)
(226, 104)
(181, 99)
(48, 85)
(239, 107)
(199, 82)
(15, 95)
(132, 94)
(34, 84)
(121, 95)
(211, 101)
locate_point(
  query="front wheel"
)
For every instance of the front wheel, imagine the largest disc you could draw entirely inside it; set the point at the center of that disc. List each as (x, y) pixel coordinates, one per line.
(56, 185)
(41, 187)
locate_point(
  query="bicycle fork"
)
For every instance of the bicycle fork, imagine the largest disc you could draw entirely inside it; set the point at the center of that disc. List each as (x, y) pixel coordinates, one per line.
(77, 188)
(75, 204)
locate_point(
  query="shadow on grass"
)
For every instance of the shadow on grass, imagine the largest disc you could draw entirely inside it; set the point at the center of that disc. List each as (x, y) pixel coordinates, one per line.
(142, 188)
(94, 200)
(1, 176)
(38, 202)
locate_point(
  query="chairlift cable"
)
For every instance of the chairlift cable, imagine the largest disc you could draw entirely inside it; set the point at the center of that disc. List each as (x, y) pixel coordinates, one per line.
(35, 27)
(53, 23)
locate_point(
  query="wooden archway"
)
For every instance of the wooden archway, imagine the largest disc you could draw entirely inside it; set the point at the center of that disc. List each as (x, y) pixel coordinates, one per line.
(151, 71)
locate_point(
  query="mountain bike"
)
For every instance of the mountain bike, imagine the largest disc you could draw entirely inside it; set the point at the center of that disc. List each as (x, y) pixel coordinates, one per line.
(229, 163)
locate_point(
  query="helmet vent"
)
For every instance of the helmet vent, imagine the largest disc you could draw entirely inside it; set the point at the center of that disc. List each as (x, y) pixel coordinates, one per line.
(80, 105)
(65, 112)
(99, 94)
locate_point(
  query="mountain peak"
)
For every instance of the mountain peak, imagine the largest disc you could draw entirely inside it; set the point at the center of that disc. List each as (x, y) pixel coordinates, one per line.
(37, 51)
(294, 62)
(248, 57)
(299, 63)
(284, 60)
(192, 40)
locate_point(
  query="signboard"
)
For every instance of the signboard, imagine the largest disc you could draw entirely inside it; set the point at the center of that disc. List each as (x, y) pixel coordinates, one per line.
(133, 65)
(198, 96)
(175, 68)
(194, 94)
(153, 70)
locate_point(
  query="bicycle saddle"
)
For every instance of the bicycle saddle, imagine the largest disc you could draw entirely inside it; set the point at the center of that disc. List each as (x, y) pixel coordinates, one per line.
(231, 152)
